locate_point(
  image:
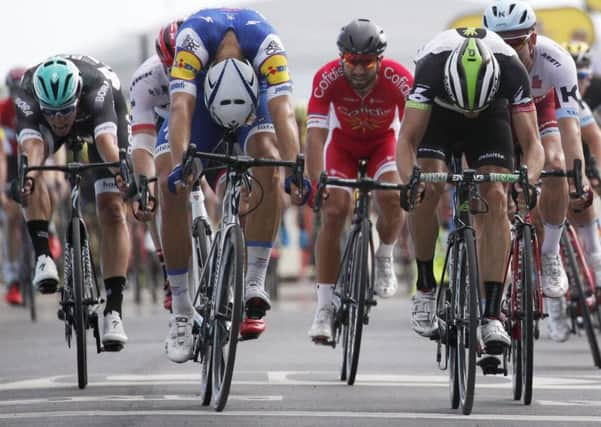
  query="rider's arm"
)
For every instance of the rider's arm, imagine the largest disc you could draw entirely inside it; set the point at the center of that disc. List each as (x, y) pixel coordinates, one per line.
(316, 138)
(318, 112)
(413, 128)
(29, 136)
(284, 122)
(101, 102)
(3, 140)
(526, 131)
(571, 141)
(591, 135)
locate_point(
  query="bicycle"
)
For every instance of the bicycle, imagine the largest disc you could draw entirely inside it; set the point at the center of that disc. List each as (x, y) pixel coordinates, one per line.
(582, 293)
(354, 289)
(458, 300)
(219, 285)
(79, 294)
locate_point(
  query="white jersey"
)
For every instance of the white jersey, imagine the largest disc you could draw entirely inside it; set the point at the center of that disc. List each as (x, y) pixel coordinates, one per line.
(585, 115)
(149, 95)
(554, 69)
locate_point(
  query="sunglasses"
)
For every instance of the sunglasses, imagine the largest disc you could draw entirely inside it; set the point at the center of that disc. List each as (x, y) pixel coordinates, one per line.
(584, 74)
(517, 42)
(366, 61)
(64, 111)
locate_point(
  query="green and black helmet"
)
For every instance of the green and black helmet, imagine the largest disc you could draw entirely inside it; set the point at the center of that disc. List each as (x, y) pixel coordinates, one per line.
(57, 82)
(471, 75)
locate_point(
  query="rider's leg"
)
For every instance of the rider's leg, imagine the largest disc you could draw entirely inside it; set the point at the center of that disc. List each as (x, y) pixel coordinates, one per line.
(262, 223)
(587, 226)
(15, 238)
(553, 205)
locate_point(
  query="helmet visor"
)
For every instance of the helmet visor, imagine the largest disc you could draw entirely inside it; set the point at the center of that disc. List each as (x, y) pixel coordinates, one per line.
(366, 61)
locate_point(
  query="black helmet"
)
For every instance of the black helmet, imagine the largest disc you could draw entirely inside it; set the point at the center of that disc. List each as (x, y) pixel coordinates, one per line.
(362, 37)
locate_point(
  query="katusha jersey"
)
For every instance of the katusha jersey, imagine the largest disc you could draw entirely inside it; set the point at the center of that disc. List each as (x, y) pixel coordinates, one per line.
(429, 88)
(149, 96)
(334, 104)
(554, 69)
(201, 34)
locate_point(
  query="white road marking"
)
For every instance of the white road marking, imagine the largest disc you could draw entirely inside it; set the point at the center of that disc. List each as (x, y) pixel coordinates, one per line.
(129, 398)
(562, 420)
(303, 378)
(591, 403)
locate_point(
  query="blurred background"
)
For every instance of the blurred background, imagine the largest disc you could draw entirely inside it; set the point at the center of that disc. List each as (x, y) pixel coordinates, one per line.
(121, 33)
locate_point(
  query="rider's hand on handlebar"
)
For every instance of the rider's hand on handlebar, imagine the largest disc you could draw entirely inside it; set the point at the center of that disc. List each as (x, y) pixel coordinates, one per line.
(578, 203)
(325, 193)
(297, 195)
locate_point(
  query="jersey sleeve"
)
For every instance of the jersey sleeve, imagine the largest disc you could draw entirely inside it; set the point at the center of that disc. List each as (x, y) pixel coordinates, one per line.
(142, 108)
(427, 84)
(271, 63)
(28, 116)
(566, 90)
(100, 101)
(190, 55)
(515, 84)
(319, 103)
(402, 82)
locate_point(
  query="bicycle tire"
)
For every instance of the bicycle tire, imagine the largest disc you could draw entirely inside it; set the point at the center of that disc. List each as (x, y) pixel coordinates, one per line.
(358, 277)
(527, 321)
(467, 303)
(201, 246)
(228, 314)
(574, 274)
(78, 305)
(341, 316)
(451, 335)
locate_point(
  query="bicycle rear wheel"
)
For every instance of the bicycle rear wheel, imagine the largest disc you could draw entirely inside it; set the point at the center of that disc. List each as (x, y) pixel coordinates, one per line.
(450, 332)
(79, 309)
(359, 275)
(228, 314)
(466, 316)
(575, 277)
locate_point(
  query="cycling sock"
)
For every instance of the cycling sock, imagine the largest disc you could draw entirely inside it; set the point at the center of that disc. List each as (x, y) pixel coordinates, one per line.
(425, 275)
(493, 291)
(38, 231)
(257, 260)
(552, 237)
(324, 294)
(181, 303)
(384, 250)
(589, 236)
(114, 294)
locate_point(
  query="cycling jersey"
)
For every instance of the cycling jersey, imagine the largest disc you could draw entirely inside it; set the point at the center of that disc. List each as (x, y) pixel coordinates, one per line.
(554, 69)
(149, 96)
(201, 34)
(101, 109)
(334, 104)
(428, 88)
(585, 115)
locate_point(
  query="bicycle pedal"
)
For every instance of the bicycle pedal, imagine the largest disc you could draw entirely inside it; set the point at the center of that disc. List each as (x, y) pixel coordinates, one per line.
(112, 346)
(490, 365)
(60, 313)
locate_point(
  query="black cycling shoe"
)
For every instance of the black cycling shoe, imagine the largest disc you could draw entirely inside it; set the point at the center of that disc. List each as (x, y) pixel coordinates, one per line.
(47, 286)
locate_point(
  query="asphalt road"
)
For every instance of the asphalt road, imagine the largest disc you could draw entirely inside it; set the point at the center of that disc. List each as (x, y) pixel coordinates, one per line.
(280, 380)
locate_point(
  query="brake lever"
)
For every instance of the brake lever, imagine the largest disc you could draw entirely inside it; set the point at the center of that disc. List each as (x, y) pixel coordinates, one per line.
(323, 179)
(408, 203)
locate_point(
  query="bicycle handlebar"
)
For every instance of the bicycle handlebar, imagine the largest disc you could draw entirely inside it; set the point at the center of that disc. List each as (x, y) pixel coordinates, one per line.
(145, 199)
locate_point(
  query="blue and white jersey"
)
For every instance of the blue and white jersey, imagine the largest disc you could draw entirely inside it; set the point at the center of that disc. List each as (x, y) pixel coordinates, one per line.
(201, 34)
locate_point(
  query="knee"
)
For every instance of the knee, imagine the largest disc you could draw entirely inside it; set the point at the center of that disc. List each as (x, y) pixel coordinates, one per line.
(389, 203)
(334, 217)
(555, 160)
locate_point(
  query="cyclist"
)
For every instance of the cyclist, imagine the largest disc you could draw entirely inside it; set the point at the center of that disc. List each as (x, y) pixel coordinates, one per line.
(149, 100)
(9, 171)
(62, 98)
(555, 91)
(465, 79)
(208, 36)
(354, 111)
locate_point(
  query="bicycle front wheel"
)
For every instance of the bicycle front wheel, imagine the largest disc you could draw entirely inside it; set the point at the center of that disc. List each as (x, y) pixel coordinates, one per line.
(355, 294)
(527, 322)
(228, 314)
(466, 317)
(79, 317)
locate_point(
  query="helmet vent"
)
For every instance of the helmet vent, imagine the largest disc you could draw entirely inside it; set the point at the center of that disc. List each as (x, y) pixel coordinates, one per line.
(494, 11)
(523, 18)
(511, 7)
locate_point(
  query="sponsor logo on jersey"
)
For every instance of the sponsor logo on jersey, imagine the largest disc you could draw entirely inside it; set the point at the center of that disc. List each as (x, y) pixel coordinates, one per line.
(185, 66)
(101, 94)
(537, 83)
(275, 69)
(190, 44)
(401, 82)
(252, 22)
(418, 94)
(567, 94)
(552, 60)
(207, 19)
(283, 88)
(272, 48)
(24, 107)
(139, 79)
(327, 78)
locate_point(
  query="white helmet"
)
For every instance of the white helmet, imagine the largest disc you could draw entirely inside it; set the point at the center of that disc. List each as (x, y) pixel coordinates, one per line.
(509, 15)
(231, 92)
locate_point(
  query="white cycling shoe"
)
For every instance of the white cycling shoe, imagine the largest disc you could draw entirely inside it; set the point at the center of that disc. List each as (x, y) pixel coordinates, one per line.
(180, 342)
(554, 278)
(494, 336)
(558, 324)
(322, 327)
(114, 337)
(386, 284)
(423, 310)
(45, 278)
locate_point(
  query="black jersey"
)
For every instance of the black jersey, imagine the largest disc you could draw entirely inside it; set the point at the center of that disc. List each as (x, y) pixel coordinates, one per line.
(102, 108)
